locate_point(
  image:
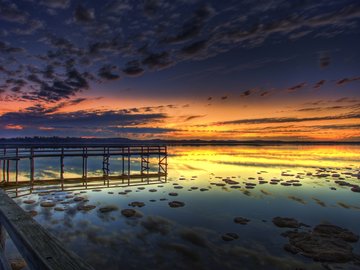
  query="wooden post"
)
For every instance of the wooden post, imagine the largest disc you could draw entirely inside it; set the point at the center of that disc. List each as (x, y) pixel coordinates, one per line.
(84, 159)
(159, 149)
(62, 167)
(128, 161)
(129, 165)
(123, 162)
(142, 162)
(3, 166)
(105, 168)
(32, 164)
(8, 170)
(17, 165)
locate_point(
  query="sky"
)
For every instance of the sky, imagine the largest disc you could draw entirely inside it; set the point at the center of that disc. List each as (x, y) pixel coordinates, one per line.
(181, 69)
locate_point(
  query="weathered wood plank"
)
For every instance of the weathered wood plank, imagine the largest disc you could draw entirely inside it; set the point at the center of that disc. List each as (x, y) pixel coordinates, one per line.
(4, 263)
(40, 249)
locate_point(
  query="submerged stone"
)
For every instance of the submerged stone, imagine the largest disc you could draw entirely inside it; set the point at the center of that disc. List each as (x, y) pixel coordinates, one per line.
(336, 231)
(326, 243)
(176, 204)
(230, 182)
(47, 204)
(284, 222)
(297, 184)
(229, 236)
(108, 208)
(137, 204)
(261, 182)
(87, 207)
(241, 220)
(173, 194)
(128, 212)
(28, 201)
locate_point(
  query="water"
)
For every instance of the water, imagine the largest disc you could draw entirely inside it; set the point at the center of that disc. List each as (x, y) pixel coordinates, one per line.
(190, 237)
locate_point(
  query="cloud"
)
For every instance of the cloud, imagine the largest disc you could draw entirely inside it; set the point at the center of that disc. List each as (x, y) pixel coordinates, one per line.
(11, 13)
(106, 72)
(133, 68)
(84, 15)
(288, 119)
(192, 28)
(264, 93)
(8, 49)
(296, 87)
(319, 84)
(36, 120)
(69, 84)
(151, 7)
(339, 127)
(246, 93)
(157, 60)
(62, 4)
(347, 80)
(30, 27)
(118, 6)
(192, 117)
(40, 108)
(194, 48)
(324, 60)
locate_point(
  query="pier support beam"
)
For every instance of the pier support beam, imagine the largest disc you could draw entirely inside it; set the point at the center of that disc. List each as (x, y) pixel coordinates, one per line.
(32, 165)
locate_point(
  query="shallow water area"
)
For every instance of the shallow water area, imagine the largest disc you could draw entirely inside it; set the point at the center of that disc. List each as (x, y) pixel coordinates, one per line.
(189, 218)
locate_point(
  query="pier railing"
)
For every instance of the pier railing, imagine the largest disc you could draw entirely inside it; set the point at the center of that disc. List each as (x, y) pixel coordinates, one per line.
(14, 154)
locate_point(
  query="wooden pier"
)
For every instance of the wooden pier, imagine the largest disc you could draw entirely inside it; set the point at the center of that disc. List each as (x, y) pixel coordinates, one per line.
(124, 155)
(40, 249)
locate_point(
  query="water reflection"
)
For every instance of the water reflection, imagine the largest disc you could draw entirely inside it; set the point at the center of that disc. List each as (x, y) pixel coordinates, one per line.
(312, 184)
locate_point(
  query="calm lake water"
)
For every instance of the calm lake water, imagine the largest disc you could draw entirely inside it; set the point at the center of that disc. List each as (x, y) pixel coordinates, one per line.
(190, 237)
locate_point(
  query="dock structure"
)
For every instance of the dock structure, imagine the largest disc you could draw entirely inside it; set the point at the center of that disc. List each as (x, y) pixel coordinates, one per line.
(124, 156)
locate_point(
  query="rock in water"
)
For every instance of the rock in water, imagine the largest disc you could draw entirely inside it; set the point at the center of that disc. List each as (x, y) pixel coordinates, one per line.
(137, 204)
(286, 222)
(128, 212)
(107, 209)
(28, 201)
(229, 236)
(241, 220)
(176, 204)
(86, 207)
(326, 243)
(336, 231)
(47, 204)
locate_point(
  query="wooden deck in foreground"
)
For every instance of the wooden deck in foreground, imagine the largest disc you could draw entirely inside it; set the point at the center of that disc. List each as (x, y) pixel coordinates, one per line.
(40, 249)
